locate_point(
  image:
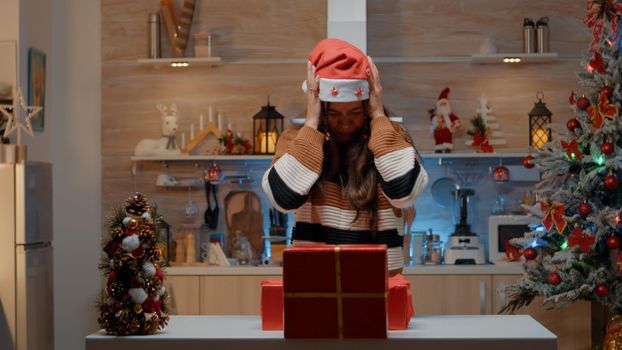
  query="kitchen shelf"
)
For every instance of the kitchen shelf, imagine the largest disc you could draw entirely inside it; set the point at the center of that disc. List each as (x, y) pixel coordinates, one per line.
(190, 61)
(523, 57)
(202, 158)
(476, 58)
(269, 157)
(474, 155)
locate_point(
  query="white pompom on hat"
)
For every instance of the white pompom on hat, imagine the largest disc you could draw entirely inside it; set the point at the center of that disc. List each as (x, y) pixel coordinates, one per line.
(342, 69)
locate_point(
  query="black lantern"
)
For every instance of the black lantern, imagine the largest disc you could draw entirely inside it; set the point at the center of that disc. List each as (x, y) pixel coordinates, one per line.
(164, 237)
(267, 126)
(539, 123)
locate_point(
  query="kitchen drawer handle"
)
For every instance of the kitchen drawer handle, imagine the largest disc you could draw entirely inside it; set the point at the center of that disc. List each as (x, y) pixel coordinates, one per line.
(482, 298)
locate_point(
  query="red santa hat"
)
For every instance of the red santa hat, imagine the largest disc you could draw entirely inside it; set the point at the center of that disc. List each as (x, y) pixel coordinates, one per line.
(443, 97)
(342, 69)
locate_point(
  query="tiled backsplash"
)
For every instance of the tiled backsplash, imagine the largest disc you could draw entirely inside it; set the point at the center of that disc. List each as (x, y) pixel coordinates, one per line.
(473, 173)
(476, 174)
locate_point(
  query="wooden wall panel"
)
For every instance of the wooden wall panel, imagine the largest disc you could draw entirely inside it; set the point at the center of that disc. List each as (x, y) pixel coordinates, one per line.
(457, 27)
(258, 29)
(240, 28)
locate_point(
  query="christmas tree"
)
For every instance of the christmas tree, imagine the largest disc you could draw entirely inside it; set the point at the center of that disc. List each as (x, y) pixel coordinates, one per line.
(134, 300)
(575, 253)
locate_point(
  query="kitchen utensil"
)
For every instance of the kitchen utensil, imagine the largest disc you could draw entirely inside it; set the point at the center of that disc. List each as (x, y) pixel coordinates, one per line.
(529, 35)
(408, 216)
(191, 208)
(443, 191)
(542, 35)
(210, 217)
(207, 215)
(214, 211)
(243, 214)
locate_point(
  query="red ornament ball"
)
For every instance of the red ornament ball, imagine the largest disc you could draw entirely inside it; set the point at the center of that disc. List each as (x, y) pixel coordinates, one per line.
(554, 278)
(606, 148)
(613, 242)
(530, 254)
(112, 276)
(585, 209)
(501, 173)
(611, 182)
(601, 290)
(527, 162)
(583, 103)
(607, 91)
(572, 124)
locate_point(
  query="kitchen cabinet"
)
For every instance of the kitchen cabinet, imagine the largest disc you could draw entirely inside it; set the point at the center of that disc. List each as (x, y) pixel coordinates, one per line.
(451, 294)
(437, 290)
(184, 294)
(572, 324)
(231, 295)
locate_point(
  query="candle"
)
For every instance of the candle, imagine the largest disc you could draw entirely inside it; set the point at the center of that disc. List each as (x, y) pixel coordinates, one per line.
(183, 140)
(219, 121)
(201, 121)
(210, 115)
(229, 127)
(192, 131)
(271, 142)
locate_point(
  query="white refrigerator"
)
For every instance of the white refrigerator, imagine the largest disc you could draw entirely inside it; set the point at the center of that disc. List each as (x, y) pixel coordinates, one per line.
(26, 263)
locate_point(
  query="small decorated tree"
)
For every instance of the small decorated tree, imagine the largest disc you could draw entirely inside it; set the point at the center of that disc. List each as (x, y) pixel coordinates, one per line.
(134, 300)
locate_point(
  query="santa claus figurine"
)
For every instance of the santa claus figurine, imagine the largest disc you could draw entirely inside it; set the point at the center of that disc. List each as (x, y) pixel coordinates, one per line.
(444, 124)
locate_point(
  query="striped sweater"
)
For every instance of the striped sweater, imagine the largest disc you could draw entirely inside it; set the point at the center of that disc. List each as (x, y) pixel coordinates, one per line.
(327, 216)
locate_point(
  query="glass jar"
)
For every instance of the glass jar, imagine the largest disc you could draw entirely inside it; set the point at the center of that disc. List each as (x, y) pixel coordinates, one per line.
(432, 250)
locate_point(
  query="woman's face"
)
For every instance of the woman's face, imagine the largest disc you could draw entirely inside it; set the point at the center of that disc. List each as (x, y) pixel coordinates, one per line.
(345, 120)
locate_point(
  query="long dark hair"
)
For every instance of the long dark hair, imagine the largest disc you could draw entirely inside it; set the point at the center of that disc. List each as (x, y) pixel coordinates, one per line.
(354, 165)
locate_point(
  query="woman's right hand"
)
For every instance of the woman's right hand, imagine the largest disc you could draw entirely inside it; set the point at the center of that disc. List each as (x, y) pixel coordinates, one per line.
(313, 98)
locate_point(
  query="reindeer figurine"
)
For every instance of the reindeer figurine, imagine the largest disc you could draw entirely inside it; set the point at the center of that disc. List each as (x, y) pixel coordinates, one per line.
(165, 145)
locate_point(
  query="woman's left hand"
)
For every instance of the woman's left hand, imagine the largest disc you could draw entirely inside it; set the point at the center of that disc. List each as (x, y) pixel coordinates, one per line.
(376, 104)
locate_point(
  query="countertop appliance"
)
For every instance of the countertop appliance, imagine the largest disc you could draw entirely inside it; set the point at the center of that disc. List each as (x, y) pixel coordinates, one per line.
(501, 229)
(26, 265)
(463, 246)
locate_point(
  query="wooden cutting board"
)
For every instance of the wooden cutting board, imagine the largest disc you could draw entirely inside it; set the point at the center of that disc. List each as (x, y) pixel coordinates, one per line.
(243, 212)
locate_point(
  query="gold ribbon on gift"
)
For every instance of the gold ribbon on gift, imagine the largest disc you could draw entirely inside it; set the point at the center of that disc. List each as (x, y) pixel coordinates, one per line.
(338, 294)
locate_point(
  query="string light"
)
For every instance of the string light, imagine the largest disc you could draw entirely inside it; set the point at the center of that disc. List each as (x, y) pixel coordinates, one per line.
(564, 245)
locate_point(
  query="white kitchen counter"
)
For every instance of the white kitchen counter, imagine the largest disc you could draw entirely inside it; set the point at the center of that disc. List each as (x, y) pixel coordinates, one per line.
(488, 332)
(488, 269)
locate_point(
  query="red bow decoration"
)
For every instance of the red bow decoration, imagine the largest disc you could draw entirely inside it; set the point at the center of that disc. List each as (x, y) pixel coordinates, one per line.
(578, 238)
(572, 99)
(603, 109)
(596, 64)
(571, 147)
(511, 252)
(482, 142)
(597, 11)
(553, 215)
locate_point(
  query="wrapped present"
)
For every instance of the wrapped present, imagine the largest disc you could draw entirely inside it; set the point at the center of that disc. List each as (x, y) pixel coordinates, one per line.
(335, 291)
(400, 303)
(272, 305)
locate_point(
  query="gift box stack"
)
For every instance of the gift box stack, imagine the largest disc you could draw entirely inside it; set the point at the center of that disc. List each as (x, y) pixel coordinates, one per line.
(336, 292)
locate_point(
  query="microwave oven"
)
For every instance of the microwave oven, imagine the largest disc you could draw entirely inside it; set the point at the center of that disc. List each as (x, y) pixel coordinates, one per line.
(502, 228)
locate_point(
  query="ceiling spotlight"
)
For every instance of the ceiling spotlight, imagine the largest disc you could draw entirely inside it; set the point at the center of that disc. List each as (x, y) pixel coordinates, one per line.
(179, 64)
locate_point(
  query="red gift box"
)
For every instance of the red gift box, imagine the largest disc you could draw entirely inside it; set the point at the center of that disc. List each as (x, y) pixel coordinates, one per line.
(272, 305)
(400, 303)
(335, 291)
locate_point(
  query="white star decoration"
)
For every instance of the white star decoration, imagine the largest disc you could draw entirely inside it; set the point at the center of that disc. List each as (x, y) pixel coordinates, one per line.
(14, 123)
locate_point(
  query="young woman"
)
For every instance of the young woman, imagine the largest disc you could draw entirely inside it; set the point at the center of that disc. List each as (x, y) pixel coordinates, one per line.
(348, 171)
